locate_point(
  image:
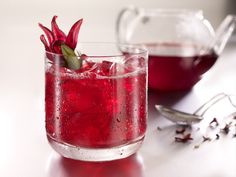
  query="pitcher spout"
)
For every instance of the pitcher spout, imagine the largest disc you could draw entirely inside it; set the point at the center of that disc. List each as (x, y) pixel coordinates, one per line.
(223, 33)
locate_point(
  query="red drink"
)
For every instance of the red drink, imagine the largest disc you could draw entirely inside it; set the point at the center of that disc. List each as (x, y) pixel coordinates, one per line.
(100, 106)
(177, 67)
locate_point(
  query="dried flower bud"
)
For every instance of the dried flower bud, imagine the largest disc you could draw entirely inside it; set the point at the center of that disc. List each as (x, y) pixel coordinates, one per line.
(185, 139)
(214, 123)
(205, 138)
(226, 129)
(180, 131)
(159, 128)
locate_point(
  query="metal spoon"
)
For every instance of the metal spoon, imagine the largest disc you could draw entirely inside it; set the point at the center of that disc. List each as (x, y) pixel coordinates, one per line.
(178, 117)
(184, 118)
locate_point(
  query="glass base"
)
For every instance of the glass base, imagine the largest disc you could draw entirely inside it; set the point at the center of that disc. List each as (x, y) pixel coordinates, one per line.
(97, 154)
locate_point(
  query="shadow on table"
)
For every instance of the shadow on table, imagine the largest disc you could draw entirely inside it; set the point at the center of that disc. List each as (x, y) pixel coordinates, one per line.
(62, 167)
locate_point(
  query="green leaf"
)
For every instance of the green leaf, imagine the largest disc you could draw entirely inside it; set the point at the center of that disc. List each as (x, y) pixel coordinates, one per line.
(72, 60)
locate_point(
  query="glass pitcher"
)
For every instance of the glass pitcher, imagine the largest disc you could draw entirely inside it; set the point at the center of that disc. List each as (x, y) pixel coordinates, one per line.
(182, 44)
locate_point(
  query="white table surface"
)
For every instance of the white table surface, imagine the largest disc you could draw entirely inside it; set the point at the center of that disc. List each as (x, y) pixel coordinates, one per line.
(24, 151)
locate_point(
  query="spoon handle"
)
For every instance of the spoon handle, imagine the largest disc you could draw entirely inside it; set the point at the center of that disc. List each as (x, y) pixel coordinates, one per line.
(203, 109)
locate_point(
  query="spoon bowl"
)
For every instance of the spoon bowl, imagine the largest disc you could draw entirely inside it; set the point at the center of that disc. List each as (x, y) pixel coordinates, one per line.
(184, 118)
(178, 117)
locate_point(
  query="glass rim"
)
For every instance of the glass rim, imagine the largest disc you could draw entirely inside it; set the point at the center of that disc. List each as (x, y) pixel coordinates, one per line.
(142, 50)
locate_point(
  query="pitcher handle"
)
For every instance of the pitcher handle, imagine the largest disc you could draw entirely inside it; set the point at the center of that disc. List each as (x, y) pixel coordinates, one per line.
(122, 26)
(223, 33)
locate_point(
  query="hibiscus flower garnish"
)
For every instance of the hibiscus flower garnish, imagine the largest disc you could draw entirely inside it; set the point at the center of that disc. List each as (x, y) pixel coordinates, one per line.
(58, 42)
(71, 58)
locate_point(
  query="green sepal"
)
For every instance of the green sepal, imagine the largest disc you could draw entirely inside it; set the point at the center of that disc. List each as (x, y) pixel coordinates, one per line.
(72, 60)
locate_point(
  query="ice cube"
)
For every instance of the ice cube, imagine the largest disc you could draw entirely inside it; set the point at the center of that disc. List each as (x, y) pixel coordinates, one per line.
(133, 63)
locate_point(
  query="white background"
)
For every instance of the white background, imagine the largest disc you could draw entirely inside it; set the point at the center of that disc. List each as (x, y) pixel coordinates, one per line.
(23, 147)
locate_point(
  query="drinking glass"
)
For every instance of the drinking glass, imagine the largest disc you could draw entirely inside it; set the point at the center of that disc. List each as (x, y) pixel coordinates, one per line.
(98, 112)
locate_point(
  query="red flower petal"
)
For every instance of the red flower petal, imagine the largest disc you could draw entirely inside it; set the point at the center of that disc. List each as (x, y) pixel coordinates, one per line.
(45, 43)
(48, 33)
(83, 57)
(72, 36)
(56, 46)
(57, 33)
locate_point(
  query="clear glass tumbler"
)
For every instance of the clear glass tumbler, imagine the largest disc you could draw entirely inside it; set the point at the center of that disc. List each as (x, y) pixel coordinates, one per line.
(98, 112)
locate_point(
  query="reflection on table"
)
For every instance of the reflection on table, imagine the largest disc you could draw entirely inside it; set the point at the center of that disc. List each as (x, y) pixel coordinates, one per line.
(62, 167)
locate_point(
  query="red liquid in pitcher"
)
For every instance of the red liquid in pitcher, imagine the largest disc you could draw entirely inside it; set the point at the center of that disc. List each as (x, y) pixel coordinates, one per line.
(177, 67)
(94, 108)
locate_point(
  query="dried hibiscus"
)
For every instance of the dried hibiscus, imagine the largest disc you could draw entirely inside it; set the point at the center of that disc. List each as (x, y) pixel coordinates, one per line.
(180, 131)
(159, 128)
(58, 42)
(184, 139)
(214, 123)
(205, 138)
(226, 128)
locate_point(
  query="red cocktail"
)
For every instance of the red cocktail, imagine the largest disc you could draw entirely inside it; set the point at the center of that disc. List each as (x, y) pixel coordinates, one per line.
(97, 112)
